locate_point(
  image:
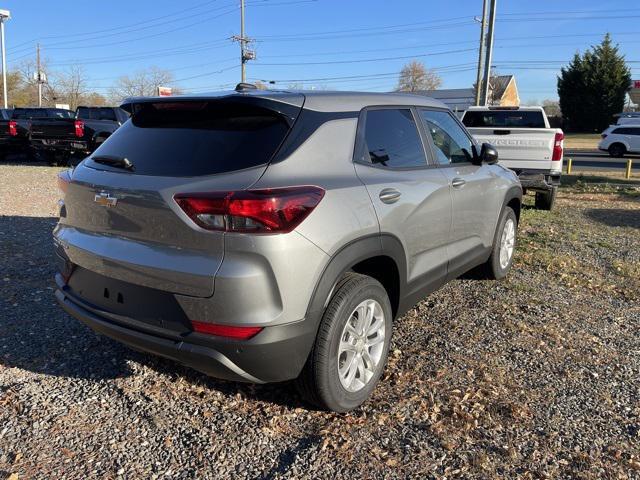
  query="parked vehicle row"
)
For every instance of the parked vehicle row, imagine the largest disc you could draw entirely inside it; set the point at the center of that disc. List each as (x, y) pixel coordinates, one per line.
(263, 236)
(57, 134)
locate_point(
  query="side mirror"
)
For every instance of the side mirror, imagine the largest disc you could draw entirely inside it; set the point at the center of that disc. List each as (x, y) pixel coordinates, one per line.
(488, 154)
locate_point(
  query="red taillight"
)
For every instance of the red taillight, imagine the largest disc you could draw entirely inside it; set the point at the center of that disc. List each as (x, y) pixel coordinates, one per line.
(276, 210)
(237, 333)
(79, 128)
(63, 181)
(557, 147)
(13, 128)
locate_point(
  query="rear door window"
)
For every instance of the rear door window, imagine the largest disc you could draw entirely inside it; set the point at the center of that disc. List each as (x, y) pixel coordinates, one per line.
(391, 139)
(627, 131)
(504, 118)
(193, 138)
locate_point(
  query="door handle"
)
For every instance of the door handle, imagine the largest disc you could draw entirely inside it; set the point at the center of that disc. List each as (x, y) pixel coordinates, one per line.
(389, 195)
(458, 182)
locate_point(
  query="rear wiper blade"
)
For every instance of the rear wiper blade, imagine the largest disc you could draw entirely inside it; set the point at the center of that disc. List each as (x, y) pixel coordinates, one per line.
(114, 161)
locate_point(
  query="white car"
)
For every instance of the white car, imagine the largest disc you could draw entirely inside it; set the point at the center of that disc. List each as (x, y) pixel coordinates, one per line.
(618, 140)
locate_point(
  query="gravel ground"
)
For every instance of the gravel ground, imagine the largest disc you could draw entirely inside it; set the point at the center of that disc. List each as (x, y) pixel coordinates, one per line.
(534, 377)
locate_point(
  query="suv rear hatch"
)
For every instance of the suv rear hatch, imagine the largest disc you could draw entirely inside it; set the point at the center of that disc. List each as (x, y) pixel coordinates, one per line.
(122, 221)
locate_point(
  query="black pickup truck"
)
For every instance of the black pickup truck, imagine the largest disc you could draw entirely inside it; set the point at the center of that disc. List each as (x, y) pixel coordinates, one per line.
(15, 126)
(59, 139)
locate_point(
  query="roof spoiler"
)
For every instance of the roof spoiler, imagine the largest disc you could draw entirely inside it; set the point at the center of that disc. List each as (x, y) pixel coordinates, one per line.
(504, 108)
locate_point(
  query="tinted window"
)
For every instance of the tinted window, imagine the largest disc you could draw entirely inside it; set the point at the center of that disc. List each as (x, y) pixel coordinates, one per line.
(391, 139)
(25, 113)
(503, 118)
(196, 138)
(97, 113)
(59, 113)
(627, 131)
(84, 113)
(452, 143)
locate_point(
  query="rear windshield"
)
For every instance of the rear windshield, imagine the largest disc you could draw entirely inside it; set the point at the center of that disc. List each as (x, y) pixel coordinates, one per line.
(26, 113)
(504, 118)
(98, 113)
(187, 139)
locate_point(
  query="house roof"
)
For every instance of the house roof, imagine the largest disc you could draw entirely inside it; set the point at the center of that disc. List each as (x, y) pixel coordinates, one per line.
(449, 95)
(499, 84)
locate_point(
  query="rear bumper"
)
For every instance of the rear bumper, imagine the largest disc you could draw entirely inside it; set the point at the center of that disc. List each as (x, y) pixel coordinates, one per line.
(541, 180)
(57, 145)
(277, 353)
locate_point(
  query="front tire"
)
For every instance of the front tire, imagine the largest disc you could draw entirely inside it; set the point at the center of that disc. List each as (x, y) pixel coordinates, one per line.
(546, 200)
(504, 246)
(350, 350)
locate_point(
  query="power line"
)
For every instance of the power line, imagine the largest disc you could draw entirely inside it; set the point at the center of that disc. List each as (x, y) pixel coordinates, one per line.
(383, 59)
(163, 18)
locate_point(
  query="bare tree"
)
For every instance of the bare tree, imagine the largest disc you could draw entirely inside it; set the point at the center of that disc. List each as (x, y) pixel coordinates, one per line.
(414, 76)
(552, 108)
(143, 83)
(70, 86)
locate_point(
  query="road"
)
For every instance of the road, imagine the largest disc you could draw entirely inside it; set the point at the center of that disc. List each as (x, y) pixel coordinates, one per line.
(595, 160)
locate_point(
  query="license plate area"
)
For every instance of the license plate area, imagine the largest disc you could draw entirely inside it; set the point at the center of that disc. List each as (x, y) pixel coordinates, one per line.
(154, 307)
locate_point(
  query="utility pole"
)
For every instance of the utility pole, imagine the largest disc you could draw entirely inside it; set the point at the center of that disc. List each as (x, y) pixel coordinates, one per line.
(245, 53)
(483, 26)
(38, 75)
(4, 16)
(488, 58)
(242, 41)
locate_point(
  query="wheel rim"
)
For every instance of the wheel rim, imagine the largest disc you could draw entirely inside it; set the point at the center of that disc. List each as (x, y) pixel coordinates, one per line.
(507, 242)
(361, 345)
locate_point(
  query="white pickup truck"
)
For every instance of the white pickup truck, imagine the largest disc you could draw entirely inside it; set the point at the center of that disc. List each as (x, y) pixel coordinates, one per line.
(526, 144)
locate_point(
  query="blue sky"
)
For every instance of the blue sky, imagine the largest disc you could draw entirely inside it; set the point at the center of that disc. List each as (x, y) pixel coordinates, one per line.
(316, 42)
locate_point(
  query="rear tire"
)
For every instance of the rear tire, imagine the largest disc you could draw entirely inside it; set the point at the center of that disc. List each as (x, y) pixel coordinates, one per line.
(546, 200)
(617, 150)
(504, 246)
(347, 361)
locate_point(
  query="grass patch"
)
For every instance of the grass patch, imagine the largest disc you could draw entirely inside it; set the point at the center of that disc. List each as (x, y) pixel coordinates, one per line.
(581, 141)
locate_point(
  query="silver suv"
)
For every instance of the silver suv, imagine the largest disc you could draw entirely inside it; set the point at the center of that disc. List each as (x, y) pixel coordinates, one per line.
(264, 236)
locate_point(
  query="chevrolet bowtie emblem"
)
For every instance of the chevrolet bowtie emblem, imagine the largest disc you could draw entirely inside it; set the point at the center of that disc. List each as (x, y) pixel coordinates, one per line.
(105, 199)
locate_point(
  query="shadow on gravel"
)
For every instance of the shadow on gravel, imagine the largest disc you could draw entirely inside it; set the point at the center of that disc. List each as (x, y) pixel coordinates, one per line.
(615, 217)
(36, 335)
(288, 457)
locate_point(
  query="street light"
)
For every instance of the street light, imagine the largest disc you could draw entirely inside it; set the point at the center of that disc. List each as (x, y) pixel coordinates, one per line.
(4, 16)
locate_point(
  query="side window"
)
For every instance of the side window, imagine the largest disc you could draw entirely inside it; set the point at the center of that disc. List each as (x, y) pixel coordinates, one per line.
(391, 139)
(452, 143)
(83, 113)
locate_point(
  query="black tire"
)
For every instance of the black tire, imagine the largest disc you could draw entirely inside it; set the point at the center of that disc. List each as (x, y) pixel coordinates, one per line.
(546, 200)
(617, 150)
(492, 269)
(319, 382)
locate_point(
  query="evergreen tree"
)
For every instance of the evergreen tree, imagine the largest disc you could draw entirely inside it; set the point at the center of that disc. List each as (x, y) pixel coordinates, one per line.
(593, 87)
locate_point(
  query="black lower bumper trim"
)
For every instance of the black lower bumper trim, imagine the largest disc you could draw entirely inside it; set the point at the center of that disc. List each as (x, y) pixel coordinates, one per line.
(278, 353)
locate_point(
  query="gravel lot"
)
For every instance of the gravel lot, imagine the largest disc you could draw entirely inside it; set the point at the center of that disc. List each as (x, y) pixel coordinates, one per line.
(534, 377)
